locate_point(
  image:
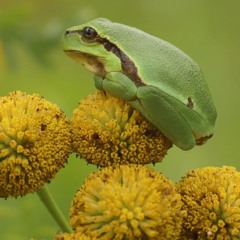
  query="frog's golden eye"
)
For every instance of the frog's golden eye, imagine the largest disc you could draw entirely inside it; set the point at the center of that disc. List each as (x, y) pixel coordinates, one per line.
(89, 34)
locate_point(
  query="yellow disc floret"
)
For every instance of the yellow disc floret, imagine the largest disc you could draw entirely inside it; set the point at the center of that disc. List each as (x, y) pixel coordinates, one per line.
(211, 198)
(34, 143)
(72, 236)
(107, 131)
(127, 202)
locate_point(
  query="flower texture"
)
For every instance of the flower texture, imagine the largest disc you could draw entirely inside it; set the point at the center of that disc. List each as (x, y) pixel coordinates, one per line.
(107, 131)
(211, 198)
(72, 236)
(127, 202)
(35, 142)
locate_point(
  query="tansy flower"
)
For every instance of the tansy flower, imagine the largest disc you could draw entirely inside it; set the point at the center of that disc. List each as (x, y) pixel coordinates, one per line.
(34, 143)
(127, 202)
(211, 197)
(107, 131)
(72, 236)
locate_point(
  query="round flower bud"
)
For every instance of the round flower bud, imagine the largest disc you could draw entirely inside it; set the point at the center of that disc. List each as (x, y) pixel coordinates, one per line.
(127, 202)
(35, 142)
(108, 131)
(211, 198)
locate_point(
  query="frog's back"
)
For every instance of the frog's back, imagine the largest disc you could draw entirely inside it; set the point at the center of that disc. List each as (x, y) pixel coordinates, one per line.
(162, 64)
(154, 57)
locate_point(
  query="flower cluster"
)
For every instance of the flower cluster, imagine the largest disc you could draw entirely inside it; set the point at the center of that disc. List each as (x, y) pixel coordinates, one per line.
(108, 131)
(125, 199)
(34, 143)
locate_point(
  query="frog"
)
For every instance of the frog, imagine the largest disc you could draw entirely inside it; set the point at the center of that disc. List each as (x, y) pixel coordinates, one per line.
(155, 77)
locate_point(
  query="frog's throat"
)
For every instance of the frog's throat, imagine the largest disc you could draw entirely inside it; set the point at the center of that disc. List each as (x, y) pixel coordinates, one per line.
(89, 61)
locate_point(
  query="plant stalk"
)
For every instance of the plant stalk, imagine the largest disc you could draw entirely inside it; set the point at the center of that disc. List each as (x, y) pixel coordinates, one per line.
(53, 209)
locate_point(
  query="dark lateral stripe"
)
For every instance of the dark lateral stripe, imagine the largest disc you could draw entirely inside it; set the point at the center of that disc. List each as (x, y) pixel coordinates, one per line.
(73, 31)
(128, 67)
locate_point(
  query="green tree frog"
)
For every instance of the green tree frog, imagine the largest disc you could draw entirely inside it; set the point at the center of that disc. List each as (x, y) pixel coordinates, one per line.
(152, 75)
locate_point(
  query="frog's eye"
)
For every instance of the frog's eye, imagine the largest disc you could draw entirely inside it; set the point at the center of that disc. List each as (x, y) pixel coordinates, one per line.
(89, 34)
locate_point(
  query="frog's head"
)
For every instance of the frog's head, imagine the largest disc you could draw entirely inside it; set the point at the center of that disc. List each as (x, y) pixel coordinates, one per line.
(90, 45)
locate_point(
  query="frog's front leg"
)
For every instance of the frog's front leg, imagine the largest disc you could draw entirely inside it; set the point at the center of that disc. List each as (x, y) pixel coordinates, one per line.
(118, 85)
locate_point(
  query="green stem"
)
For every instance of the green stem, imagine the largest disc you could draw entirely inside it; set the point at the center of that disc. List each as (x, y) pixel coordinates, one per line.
(53, 209)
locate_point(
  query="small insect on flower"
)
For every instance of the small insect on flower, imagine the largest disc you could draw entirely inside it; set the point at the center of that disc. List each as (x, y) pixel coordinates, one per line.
(35, 143)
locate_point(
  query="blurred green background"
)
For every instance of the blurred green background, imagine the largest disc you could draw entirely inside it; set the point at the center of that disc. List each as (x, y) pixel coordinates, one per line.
(31, 60)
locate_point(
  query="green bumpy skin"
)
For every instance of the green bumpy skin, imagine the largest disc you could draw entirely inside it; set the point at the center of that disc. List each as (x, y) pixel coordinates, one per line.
(155, 77)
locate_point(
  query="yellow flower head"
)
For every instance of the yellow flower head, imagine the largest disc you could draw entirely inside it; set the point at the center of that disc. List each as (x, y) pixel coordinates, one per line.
(107, 131)
(34, 143)
(72, 236)
(127, 202)
(211, 197)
